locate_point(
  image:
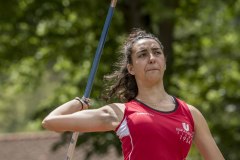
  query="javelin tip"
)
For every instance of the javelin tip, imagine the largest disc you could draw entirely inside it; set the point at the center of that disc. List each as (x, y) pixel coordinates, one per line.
(113, 3)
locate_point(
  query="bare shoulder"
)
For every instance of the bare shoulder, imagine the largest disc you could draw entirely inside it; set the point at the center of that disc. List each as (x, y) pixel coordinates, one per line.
(116, 107)
(198, 118)
(194, 111)
(115, 110)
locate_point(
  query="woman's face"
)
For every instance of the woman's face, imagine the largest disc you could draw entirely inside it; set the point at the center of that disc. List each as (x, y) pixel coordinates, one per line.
(148, 61)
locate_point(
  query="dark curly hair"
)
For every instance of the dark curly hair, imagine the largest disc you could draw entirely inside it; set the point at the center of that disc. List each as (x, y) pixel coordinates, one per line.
(122, 84)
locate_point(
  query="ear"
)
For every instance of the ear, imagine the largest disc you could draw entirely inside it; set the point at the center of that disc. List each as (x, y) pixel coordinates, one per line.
(165, 66)
(130, 69)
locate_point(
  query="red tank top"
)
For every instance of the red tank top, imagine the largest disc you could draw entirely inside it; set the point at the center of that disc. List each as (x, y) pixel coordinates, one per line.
(148, 134)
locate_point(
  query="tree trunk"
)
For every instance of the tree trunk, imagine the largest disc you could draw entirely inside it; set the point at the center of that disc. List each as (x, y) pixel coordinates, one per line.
(133, 18)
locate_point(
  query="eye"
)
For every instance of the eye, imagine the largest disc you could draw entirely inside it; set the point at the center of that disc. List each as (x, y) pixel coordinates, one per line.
(157, 52)
(142, 55)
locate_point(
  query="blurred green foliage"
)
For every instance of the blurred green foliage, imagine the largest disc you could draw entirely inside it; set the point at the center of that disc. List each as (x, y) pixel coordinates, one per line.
(47, 47)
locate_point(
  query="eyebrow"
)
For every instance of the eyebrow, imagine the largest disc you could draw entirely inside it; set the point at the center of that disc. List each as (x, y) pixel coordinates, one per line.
(142, 50)
(156, 48)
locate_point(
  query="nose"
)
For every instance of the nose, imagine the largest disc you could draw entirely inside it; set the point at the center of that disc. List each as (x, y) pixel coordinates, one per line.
(151, 58)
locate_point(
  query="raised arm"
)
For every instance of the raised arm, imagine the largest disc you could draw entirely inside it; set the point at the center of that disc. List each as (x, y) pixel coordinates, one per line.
(70, 117)
(203, 138)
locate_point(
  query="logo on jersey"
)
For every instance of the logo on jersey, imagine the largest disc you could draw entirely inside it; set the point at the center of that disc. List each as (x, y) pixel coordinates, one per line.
(185, 135)
(185, 126)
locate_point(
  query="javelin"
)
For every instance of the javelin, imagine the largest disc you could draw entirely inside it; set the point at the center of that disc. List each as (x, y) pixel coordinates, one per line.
(93, 72)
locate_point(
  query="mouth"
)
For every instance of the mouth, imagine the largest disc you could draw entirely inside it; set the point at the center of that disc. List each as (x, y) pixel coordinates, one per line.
(153, 69)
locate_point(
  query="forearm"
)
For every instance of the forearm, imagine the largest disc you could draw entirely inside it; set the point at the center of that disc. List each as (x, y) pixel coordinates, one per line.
(66, 108)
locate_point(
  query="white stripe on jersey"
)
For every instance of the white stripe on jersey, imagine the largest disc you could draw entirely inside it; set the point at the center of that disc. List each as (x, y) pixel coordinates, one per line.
(123, 131)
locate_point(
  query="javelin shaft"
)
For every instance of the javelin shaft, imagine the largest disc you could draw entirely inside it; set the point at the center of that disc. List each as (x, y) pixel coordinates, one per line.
(98, 53)
(93, 72)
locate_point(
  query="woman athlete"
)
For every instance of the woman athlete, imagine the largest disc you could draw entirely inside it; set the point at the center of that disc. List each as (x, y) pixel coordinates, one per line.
(151, 123)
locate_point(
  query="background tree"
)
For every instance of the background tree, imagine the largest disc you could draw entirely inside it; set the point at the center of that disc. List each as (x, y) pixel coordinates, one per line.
(47, 47)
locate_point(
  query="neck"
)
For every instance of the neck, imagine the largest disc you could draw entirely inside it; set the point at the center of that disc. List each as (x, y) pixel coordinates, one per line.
(157, 99)
(152, 93)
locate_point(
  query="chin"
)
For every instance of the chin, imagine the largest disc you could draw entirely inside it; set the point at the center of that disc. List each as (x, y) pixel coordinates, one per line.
(154, 78)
